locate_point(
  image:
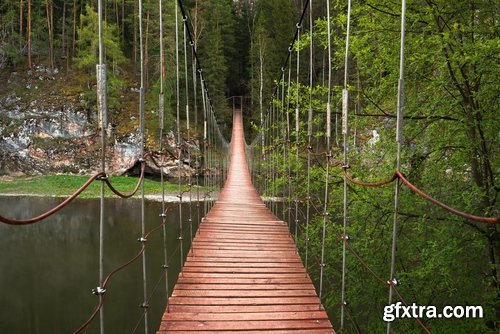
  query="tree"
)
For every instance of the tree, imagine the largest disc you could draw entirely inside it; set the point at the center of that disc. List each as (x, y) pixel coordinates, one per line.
(87, 52)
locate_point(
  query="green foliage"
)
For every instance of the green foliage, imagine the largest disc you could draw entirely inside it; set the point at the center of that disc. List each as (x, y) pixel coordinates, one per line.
(450, 149)
(87, 55)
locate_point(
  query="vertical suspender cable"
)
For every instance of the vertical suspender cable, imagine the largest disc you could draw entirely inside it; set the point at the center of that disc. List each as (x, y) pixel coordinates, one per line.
(195, 100)
(190, 219)
(273, 162)
(399, 140)
(345, 133)
(162, 125)
(328, 154)
(309, 131)
(102, 110)
(178, 120)
(286, 143)
(205, 146)
(143, 221)
(297, 124)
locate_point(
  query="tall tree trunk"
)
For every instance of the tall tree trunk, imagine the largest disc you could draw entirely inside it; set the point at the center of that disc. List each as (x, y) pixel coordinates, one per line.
(63, 30)
(20, 24)
(146, 56)
(49, 11)
(117, 11)
(73, 43)
(134, 38)
(28, 35)
(123, 20)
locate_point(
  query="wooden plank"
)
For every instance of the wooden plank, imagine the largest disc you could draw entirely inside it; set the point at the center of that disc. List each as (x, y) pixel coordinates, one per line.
(235, 286)
(188, 269)
(242, 281)
(259, 331)
(241, 275)
(180, 308)
(209, 316)
(245, 325)
(243, 293)
(243, 301)
(202, 258)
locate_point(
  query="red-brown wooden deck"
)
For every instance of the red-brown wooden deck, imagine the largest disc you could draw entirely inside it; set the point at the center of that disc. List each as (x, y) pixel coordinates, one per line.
(243, 272)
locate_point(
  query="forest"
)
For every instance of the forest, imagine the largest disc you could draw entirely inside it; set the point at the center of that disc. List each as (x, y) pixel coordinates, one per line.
(451, 128)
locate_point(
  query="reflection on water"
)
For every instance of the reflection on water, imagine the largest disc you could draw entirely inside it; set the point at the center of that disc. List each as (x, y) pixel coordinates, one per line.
(47, 270)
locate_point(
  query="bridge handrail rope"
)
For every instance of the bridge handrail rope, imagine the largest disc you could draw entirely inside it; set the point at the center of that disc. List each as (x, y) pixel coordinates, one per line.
(99, 176)
(368, 184)
(134, 191)
(488, 220)
(418, 191)
(56, 208)
(392, 283)
(101, 291)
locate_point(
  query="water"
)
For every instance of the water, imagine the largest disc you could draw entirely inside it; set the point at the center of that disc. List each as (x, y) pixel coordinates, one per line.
(47, 270)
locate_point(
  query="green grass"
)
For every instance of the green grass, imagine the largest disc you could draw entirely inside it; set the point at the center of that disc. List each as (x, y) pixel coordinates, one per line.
(65, 185)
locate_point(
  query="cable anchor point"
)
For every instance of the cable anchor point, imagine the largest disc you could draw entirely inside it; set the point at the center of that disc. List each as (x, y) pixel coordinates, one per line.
(142, 240)
(393, 282)
(102, 177)
(163, 215)
(144, 305)
(98, 291)
(345, 237)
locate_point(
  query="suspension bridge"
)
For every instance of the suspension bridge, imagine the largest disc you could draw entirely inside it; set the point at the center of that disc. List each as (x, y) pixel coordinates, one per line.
(243, 272)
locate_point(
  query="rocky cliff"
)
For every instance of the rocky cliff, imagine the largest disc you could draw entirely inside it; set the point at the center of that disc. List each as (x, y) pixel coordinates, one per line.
(45, 131)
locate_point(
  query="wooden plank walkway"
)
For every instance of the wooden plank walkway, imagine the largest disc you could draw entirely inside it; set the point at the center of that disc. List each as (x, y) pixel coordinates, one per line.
(243, 273)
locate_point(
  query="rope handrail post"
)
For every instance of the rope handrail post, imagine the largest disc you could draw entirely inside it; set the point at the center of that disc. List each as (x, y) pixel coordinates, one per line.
(102, 111)
(399, 140)
(345, 134)
(142, 129)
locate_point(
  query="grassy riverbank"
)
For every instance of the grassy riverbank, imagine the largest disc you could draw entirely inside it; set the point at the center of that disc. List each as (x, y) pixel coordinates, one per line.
(65, 185)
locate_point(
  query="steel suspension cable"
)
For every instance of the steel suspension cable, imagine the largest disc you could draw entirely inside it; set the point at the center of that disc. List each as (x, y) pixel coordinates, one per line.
(309, 131)
(286, 147)
(328, 154)
(142, 126)
(399, 141)
(190, 218)
(297, 125)
(195, 100)
(205, 147)
(178, 121)
(345, 133)
(102, 108)
(163, 216)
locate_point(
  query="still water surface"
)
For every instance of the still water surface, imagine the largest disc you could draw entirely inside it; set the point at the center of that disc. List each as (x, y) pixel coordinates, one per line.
(47, 270)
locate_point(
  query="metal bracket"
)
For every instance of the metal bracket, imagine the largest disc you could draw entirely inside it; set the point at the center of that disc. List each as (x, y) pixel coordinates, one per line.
(98, 291)
(393, 281)
(102, 177)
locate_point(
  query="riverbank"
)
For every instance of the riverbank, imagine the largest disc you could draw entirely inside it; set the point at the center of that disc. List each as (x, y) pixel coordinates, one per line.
(65, 185)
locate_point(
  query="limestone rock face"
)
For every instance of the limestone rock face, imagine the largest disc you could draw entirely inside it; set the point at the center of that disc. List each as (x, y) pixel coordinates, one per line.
(66, 140)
